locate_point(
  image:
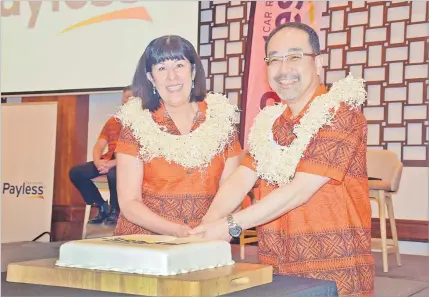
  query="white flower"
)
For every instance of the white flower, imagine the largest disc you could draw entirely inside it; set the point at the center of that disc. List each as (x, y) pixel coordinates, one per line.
(277, 164)
(193, 150)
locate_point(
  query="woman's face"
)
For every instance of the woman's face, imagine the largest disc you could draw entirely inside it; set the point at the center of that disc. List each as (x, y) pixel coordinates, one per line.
(173, 81)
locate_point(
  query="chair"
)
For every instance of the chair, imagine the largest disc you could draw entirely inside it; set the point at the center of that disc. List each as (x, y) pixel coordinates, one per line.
(247, 236)
(243, 240)
(386, 166)
(102, 185)
(252, 233)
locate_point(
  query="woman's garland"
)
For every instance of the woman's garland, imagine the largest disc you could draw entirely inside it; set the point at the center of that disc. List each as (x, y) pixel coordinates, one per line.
(193, 150)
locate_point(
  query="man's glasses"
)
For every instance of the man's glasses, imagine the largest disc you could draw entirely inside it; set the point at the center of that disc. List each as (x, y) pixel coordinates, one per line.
(291, 58)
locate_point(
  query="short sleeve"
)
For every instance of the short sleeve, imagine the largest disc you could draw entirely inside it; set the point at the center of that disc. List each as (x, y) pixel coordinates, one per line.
(234, 148)
(104, 134)
(127, 143)
(334, 148)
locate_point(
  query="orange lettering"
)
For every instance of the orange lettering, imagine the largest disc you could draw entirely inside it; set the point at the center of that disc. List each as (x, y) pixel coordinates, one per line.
(101, 3)
(55, 5)
(75, 4)
(35, 10)
(12, 10)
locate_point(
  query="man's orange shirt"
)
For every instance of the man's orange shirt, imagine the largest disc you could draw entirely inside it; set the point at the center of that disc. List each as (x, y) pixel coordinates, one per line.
(179, 195)
(110, 133)
(329, 237)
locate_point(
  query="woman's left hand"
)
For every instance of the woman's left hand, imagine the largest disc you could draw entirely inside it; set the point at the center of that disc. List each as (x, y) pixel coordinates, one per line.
(181, 230)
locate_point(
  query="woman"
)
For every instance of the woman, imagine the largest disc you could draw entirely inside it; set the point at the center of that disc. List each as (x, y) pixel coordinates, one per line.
(177, 145)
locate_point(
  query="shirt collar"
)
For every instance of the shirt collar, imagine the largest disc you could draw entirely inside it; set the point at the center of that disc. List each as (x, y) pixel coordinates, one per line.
(161, 114)
(287, 114)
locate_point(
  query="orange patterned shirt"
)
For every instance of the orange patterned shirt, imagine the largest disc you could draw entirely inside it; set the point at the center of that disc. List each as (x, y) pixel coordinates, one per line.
(180, 195)
(110, 133)
(329, 237)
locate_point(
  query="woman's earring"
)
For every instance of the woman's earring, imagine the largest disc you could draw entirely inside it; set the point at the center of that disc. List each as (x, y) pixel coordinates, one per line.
(154, 90)
(193, 84)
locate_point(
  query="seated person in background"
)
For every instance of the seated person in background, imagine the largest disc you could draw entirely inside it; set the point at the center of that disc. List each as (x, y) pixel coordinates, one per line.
(102, 164)
(177, 145)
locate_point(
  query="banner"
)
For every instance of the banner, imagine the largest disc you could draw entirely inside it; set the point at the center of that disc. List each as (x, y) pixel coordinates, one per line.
(28, 141)
(265, 17)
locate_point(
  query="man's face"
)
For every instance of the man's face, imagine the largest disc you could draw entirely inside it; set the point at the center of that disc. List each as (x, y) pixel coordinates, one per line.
(126, 96)
(290, 73)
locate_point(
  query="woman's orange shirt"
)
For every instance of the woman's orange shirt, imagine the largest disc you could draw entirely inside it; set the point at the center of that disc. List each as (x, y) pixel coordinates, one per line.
(329, 237)
(180, 195)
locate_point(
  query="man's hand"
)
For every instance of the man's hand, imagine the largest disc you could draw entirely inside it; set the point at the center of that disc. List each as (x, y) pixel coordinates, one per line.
(209, 219)
(215, 230)
(99, 164)
(106, 166)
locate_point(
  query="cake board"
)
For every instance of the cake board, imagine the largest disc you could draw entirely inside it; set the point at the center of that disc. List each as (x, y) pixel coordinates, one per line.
(208, 282)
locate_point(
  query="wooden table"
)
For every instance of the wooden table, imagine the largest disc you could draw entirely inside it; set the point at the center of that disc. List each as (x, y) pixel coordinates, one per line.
(281, 286)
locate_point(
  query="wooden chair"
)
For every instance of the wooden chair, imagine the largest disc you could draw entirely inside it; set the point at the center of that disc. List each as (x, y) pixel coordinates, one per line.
(245, 240)
(102, 185)
(248, 236)
(385, 166)
(244, 237)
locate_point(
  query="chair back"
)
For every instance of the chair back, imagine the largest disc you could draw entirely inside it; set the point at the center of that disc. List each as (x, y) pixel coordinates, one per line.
(386, 165)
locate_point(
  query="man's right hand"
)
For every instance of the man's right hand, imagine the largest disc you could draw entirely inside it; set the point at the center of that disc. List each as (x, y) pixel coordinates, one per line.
(209, 218)
(106, 166)
(99, 164)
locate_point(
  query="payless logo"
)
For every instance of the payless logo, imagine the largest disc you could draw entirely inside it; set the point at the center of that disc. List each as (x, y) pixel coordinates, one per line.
(13, 8)
(34, 190)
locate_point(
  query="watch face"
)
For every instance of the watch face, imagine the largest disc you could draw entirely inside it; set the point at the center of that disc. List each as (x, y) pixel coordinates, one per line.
(235, 231)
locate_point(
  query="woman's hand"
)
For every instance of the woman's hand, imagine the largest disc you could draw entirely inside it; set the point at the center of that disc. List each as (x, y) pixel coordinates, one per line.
(181, 230)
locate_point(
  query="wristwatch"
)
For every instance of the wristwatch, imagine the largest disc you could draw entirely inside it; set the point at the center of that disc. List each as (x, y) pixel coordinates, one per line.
(234, 229)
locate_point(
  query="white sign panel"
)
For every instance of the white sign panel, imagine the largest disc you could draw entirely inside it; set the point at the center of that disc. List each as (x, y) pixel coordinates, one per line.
(28, 141)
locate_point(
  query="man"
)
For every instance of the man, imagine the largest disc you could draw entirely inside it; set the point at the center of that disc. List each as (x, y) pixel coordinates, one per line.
(102, 164)
(309, 160)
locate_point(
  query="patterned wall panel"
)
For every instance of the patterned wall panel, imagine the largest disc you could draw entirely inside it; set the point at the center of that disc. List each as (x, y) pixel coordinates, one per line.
(223, 32)
(385, 42)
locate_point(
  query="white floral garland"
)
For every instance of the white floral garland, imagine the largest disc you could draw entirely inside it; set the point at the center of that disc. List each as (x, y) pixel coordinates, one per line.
(277, 164)
(193, 150)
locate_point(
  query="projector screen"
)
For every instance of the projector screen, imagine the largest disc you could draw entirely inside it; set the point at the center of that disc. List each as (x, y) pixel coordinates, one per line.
(57, 45)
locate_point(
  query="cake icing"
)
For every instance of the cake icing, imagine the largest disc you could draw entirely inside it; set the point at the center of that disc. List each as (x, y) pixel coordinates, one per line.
(145, 254)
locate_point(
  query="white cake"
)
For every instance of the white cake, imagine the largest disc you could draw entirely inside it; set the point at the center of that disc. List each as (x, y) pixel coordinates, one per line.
(145, 254)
